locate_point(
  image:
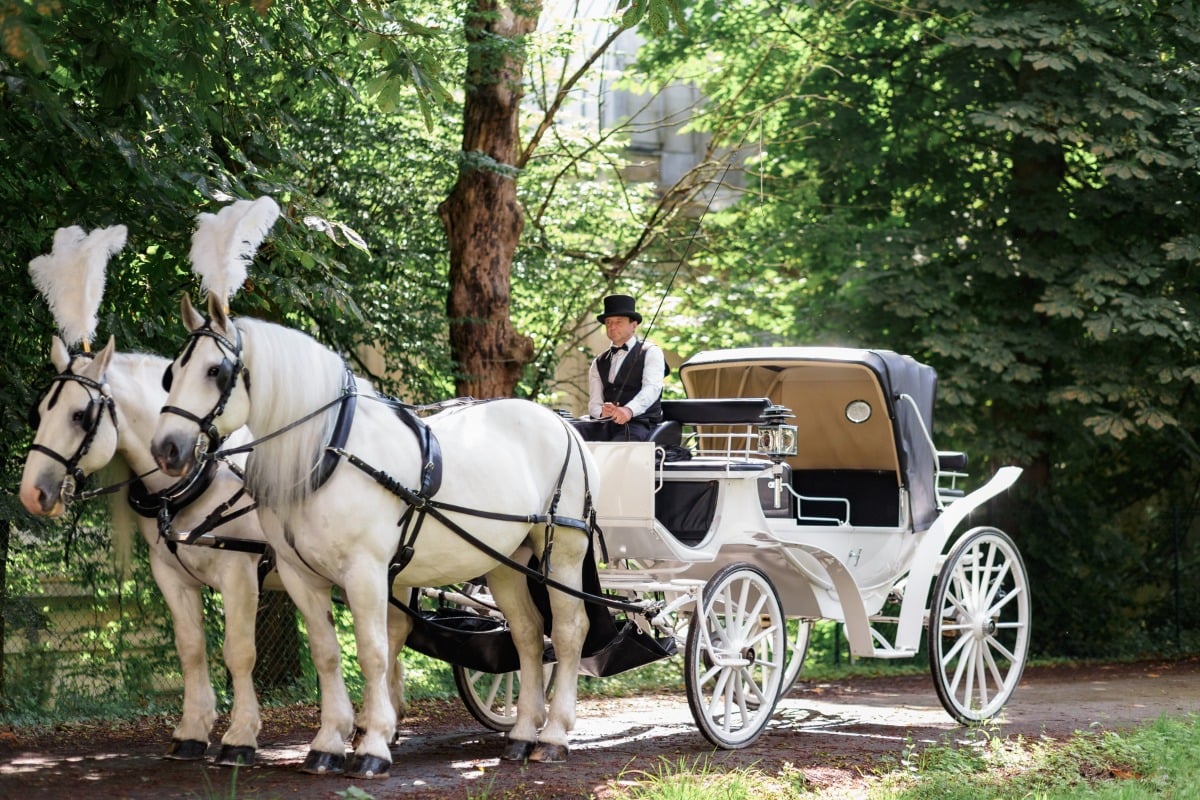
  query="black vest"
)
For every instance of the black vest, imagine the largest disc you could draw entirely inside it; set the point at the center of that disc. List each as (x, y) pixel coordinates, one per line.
(628, 381)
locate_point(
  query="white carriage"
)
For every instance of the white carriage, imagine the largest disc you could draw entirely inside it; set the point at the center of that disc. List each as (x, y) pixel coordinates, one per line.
(798, 484)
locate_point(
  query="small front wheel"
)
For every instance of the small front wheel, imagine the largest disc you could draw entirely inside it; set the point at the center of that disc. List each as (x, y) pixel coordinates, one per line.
(978, 631)
(492, 697)
(737, 647)
(799, 633)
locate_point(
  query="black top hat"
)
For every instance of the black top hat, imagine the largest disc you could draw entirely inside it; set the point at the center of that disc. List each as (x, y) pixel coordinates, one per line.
(619, 305)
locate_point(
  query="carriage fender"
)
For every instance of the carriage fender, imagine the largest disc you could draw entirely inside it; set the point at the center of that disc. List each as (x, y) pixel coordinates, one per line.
(928, 557)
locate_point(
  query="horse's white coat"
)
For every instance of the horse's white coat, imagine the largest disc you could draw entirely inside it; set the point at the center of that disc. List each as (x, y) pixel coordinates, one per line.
(134, 381)
(504, 456)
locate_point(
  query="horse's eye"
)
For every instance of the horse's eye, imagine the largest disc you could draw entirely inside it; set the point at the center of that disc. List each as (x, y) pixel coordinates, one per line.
(214, 371)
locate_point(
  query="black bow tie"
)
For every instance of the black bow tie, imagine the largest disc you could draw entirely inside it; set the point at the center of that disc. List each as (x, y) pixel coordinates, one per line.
(614, 348)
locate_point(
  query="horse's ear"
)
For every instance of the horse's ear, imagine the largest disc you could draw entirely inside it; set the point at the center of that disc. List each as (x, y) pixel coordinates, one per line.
(191, 317)
(102, 359)
(60, 357)
(216, 313)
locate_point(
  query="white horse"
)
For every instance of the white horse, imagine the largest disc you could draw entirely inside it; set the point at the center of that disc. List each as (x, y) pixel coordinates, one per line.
(509, 458)
(103, 409)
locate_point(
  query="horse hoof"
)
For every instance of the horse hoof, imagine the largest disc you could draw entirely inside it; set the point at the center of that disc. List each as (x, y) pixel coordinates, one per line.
(549, 753)
(318, 763)
(517, 750)
(186, 750)
(368, 766)
(232, 755)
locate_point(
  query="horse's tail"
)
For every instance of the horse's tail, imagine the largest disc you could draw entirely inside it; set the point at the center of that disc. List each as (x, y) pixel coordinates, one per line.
(122, 520)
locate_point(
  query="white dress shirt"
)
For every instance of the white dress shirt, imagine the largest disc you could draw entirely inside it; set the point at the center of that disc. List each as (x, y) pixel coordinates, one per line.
(653, 368)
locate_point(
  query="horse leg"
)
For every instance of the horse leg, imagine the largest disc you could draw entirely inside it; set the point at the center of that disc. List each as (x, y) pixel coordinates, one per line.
(189, 741)
(240, 596)
(511, 594)
(327, 752)
(569, 627)
(399, 626)
(367, 594)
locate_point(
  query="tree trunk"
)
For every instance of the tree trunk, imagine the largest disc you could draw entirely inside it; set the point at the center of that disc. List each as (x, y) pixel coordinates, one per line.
(482, 218)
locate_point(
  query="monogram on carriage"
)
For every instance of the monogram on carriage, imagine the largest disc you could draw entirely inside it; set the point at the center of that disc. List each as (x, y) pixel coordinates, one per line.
(803, 484)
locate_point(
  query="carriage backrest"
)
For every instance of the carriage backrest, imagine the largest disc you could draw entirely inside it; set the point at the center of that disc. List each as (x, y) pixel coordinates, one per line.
(890, 445)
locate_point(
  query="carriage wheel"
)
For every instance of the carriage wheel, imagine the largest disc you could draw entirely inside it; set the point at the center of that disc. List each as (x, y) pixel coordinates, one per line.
(492, 697)
(979, 625)
(798, 633)
(736, 649)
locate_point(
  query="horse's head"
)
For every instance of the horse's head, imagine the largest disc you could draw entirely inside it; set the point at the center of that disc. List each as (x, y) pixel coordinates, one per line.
(76, 424)
(208, 390)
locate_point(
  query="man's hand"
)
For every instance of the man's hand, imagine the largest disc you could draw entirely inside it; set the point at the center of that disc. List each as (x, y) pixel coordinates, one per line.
(618, 414)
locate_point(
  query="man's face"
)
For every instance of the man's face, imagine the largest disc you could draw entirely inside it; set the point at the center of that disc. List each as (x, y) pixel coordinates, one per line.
(619, 329)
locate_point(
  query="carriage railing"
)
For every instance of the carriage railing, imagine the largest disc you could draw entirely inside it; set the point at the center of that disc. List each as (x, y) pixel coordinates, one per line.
(741, 443)
(949, 465)
(724, 441)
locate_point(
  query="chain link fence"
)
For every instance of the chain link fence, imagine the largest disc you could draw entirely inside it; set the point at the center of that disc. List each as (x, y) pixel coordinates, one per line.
(80, 642)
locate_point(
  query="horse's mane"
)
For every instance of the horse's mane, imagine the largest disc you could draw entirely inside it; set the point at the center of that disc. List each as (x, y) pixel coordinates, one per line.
(291, 375)
(130, 376)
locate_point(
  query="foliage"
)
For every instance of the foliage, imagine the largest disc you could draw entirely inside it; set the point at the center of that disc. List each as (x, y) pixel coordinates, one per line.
(1005, 191)
(90, 644)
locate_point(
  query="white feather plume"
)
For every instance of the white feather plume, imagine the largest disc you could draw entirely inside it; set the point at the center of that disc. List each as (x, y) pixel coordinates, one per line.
(225, 243)
(71, 278)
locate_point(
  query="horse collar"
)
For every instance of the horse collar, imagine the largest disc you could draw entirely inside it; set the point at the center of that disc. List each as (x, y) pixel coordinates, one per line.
(175, 497)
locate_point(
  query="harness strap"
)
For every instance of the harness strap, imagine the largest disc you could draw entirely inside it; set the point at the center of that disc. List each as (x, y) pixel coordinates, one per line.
(341, 431)
(75, 478)
(420, 506)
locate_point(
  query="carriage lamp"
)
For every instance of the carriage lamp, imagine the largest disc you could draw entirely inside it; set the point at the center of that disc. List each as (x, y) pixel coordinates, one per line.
(777, 439)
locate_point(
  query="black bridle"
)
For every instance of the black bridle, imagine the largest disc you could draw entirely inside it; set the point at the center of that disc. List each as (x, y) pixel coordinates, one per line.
(225, 374)
(100, 401)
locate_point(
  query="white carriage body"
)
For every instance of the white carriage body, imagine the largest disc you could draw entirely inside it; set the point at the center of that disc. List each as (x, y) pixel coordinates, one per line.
(862, 509)
(792, 485)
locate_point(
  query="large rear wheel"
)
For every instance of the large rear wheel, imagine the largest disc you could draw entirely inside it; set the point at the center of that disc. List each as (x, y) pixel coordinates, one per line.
(737, 647)
(978, 631)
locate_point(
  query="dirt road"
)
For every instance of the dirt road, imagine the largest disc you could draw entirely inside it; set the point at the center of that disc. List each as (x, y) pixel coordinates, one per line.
(832, 732)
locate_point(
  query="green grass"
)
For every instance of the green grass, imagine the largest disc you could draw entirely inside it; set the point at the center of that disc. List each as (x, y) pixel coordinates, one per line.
(1157, 760)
